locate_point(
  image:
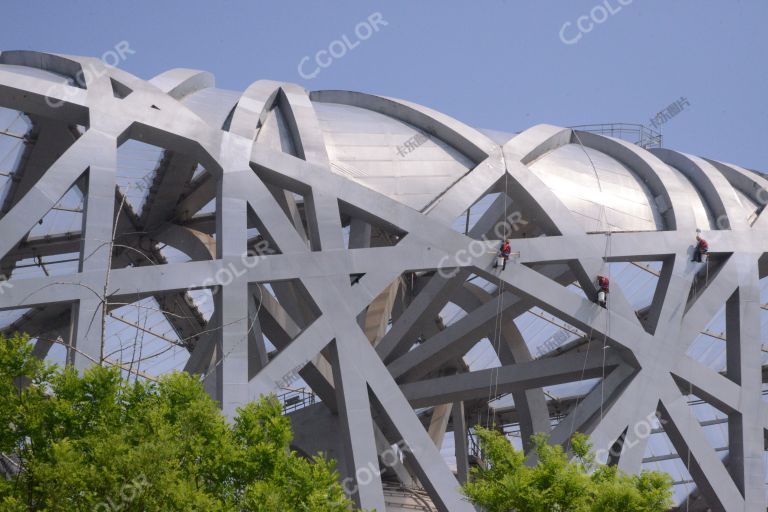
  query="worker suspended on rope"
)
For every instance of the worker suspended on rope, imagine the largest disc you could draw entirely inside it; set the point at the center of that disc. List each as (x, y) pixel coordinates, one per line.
(602, 290)
(503, 256)
(701, 249)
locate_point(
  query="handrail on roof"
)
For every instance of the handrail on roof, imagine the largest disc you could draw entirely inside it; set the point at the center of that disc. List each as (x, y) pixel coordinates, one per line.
(635, 133)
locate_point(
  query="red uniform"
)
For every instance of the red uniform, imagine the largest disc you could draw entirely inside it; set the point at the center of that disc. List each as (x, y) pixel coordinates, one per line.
(602, 292)
(504, 253)
(702, 247)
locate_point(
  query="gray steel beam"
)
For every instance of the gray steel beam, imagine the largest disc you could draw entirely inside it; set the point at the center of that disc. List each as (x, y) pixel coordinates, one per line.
(314, 302)
(521, 376)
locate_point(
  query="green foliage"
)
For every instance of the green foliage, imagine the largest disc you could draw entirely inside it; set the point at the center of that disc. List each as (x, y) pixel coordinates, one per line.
(94, 442)
(557, 483)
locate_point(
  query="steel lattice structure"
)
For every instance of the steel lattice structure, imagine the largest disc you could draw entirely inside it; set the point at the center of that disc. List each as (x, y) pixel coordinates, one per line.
(341, 250)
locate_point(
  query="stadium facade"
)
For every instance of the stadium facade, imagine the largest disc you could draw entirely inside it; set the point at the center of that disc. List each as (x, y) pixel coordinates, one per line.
(338, 249)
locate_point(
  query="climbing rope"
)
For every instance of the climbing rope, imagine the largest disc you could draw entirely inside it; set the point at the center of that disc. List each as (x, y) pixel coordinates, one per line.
(589, 344)
(581, 378)
(688, 448)
(706, 274)
(607, 322)
(690, 385)
(594, 169)
(603, 217)
(694, 286)
(493, 385)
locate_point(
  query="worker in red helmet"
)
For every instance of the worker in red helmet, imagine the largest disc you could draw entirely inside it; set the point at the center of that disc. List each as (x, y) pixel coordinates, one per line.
(503, 256)
(602, 290)
(701, 249)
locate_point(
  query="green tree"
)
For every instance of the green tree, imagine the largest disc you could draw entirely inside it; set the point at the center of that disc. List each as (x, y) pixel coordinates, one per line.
(557, 483)
(94, 442)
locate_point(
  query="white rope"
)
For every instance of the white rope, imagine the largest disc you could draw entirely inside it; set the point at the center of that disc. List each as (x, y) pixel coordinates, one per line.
(241, 340)
(581, 378)
(603, 216)
(586, 357)
(688, 448)
(493, 385)
(594, 169)
(706, 275)
(607, 322)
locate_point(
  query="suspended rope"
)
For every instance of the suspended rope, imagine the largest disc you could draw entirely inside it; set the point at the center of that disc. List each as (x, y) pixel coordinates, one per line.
(594, 169)
(214, 367)
(493, 385)
(607, 321)
(691, 418)
(497, 327)
(589, 343)
(581, 378)
(603, 221)
(706, 273)
(705, 256)
(693, 286)
(688, 448)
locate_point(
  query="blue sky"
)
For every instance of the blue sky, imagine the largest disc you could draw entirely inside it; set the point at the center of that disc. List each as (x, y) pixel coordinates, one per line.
(498, 64)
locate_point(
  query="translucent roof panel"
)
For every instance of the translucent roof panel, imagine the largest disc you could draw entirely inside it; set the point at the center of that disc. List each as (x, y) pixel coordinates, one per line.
(139, 335)
(137, 164)
(14, 126)
(65, 217)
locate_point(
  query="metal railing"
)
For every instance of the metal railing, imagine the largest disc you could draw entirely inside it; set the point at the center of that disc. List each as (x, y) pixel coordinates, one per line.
(474, 448)
(637, 134)
(295, 399)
